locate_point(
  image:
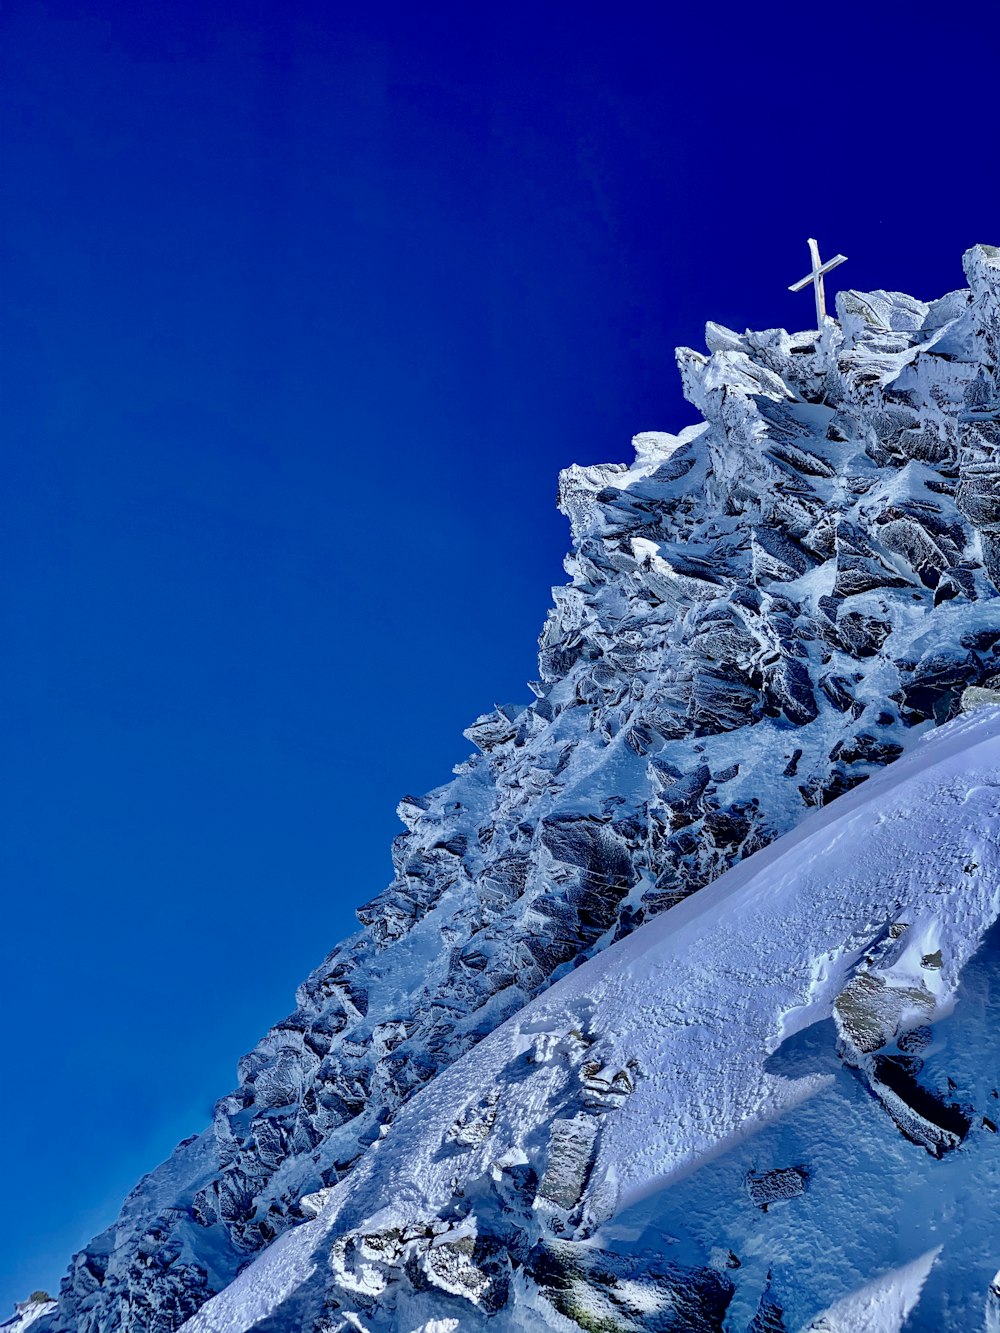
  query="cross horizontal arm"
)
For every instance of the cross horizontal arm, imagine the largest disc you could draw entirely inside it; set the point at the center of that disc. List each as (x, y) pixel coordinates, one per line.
(818, 273)
(832, 263)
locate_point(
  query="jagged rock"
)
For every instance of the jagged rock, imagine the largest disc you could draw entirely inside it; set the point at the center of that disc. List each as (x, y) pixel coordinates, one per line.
(681, 794)
(882, 1005)
(411, 808)
(595, 849)
(864, 748)
(924, 541)
(838, 690)
(978, 491)
(790, 690)
(720, 704)
(668, 1041)
(495, 729)
(475, 1125)
(777, 556)
(939, 680)
(862, 635)
(914, 1040)
(727, 828)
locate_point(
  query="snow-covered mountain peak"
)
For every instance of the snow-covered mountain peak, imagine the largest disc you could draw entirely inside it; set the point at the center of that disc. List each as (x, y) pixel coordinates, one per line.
(763, 611)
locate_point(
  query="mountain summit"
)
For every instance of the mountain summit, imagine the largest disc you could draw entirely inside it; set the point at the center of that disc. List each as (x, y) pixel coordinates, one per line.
(555, 1081)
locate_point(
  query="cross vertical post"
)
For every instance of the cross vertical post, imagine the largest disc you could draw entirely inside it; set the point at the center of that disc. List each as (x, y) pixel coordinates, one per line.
(816, 278)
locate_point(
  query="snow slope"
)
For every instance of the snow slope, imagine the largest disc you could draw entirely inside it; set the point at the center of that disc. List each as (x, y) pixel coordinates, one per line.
(697, 1010)
(763, 611)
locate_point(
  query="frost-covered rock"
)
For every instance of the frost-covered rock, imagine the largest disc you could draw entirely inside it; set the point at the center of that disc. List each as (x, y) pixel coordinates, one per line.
(763, 611)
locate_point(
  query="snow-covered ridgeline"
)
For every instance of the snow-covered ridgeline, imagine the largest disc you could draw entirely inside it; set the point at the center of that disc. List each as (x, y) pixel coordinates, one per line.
(763, 610)
(656, 1116)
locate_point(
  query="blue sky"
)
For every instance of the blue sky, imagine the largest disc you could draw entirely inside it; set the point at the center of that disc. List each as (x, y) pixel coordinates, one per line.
(305, 306)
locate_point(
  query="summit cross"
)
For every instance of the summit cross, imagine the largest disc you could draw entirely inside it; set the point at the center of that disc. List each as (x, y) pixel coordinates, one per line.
(816, 278)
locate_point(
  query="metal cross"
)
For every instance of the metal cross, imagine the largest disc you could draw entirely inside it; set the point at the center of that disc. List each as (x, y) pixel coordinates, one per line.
(816, 278)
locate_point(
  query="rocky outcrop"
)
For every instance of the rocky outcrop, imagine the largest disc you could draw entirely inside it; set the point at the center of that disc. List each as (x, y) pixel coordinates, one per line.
(883, 1018)
(762, 611)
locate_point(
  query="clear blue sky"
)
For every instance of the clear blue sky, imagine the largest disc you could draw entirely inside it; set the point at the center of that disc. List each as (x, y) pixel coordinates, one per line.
(304, 307)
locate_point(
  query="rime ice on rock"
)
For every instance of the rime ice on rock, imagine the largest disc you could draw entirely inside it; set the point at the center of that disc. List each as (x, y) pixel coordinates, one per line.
(762, 611)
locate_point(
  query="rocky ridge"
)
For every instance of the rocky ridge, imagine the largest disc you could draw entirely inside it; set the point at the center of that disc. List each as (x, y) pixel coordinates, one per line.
(763, 610)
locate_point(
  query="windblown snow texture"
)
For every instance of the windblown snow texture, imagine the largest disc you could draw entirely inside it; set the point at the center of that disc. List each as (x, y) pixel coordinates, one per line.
(764, 610)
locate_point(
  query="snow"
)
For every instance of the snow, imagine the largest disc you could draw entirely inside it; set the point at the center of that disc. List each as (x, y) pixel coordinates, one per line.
(881, 1306)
